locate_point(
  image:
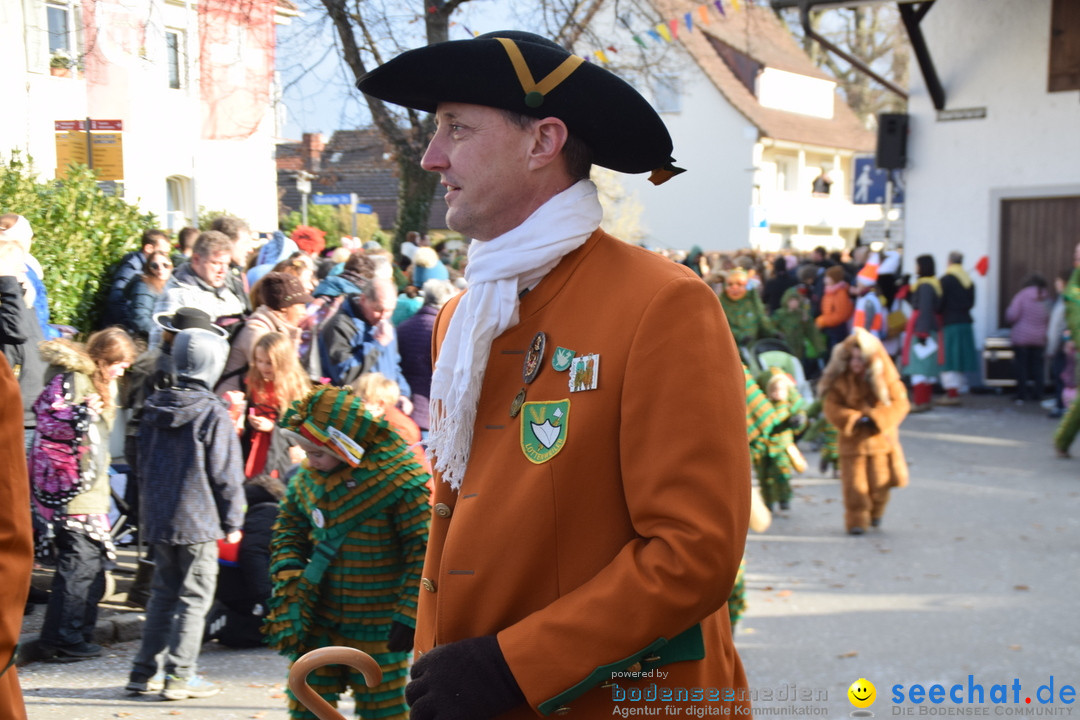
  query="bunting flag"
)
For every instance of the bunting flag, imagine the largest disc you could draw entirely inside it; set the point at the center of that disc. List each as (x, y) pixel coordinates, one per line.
(661, 32)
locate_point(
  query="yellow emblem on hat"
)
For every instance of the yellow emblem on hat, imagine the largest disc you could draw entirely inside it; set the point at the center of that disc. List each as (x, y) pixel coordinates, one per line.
(535, 91)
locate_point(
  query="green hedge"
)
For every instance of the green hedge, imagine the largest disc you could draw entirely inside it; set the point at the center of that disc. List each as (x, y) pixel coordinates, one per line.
(79, 232)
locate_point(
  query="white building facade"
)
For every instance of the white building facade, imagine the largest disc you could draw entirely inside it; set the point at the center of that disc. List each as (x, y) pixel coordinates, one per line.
(755, 123)
(191, 82)
(996, 173)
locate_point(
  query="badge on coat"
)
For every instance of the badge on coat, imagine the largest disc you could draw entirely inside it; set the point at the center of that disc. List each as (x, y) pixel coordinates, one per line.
(534, 358)
(584, 373)
(560, 359)
(543, 429)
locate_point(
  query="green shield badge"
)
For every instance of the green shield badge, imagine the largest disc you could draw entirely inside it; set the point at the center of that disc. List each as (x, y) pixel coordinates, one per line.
(543, 429)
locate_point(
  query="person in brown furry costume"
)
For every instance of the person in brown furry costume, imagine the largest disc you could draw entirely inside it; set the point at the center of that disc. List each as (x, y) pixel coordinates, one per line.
(866, 400)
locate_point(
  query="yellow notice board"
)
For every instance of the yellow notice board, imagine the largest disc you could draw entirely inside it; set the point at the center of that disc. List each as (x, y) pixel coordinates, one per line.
(108, 153)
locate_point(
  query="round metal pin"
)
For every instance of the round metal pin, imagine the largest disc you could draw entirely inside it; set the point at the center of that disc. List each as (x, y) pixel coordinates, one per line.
(515, 406)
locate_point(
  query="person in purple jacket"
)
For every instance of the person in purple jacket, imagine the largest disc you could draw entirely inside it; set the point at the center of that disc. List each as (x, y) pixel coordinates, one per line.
(1029, 314)
(414, 345)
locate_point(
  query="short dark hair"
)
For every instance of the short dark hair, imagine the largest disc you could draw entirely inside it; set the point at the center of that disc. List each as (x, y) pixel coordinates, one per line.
(186, 238)
(229, 225)
(151, 236)
(577, 155)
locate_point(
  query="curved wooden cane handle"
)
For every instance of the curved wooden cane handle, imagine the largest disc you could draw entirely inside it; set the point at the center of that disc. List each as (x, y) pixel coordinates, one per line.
(336, 655)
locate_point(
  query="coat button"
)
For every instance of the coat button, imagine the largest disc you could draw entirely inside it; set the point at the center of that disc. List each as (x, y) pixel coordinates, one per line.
(427, 584)
(562, 710)
(635, 668)
(442, 510)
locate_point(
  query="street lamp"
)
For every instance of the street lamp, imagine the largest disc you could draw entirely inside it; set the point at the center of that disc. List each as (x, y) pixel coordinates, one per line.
(303, 184)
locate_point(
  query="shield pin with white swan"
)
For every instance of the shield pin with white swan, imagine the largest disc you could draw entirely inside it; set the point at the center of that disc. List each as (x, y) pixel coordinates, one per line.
(543, 429)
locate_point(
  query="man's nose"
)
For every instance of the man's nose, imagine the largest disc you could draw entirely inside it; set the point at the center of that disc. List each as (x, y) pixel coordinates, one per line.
(434, 158)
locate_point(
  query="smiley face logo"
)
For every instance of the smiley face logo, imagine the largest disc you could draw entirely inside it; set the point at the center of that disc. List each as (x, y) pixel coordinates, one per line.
(862, 693)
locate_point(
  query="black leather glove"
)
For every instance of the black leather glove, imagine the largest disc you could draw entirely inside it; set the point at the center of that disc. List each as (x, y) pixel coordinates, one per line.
(465, 680)
(401, 637)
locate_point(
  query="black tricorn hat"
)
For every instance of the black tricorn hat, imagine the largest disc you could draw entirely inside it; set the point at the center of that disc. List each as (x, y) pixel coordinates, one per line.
(186, 318)
(531, 75)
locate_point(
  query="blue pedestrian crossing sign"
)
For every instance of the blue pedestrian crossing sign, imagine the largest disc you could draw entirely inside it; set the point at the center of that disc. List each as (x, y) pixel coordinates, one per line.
(869, 183)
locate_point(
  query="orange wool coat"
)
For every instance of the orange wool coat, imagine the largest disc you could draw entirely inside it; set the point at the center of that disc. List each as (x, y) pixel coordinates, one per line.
(836, 306)
(16, 541)
(618, 554)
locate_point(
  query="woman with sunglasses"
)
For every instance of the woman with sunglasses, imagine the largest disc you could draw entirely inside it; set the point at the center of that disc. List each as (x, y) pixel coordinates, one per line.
(142, 293)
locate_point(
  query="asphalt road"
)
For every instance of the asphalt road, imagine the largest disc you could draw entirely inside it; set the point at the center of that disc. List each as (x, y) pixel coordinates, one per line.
(975, 572)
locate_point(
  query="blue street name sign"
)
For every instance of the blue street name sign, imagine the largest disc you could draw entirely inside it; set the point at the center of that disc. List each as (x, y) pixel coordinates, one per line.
(333, 199)
(363, 209)
(869, 183)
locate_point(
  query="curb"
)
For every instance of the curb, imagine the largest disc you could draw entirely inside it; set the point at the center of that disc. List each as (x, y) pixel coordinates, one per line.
(117, 628)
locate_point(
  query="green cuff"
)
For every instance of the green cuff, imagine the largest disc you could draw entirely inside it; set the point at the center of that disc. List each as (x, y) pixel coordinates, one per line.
(14, 655)
(687, 645)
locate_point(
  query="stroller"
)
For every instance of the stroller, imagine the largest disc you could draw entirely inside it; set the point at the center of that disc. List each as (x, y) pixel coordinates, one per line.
(774, 352)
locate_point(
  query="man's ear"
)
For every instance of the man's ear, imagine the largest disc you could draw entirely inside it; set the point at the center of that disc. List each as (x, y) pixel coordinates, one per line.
(549, 137)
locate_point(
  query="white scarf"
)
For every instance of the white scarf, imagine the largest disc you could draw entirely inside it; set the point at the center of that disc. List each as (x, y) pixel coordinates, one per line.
(497, 272)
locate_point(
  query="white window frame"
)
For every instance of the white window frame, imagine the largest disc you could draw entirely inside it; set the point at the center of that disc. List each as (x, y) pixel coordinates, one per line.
(180, 56)
(787, 173)
(178, 202)
(73, 33)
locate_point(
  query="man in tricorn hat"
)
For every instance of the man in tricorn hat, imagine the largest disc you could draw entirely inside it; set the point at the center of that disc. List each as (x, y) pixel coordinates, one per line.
(587, 404)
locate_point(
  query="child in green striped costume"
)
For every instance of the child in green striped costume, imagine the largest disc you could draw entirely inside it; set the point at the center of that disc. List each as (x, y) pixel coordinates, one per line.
(348, 550)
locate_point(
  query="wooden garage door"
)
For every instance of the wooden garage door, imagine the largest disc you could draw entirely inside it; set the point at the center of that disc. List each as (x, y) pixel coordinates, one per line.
(1038, 235)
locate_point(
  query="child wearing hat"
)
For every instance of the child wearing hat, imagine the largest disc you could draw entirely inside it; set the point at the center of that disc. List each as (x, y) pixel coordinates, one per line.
(191, 474)
(796, 325)
(781, 457)
(283, 308)
(746, 314)
(348, 550)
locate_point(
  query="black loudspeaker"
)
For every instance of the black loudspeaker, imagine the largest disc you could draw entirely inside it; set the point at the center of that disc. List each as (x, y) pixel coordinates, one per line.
(892, 141)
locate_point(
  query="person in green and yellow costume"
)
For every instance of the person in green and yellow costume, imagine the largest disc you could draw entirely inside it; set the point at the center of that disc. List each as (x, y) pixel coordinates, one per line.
(746, 313)
(348, 549)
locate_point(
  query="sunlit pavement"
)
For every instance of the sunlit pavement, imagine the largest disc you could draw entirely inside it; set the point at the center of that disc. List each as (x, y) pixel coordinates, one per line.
(975, 571)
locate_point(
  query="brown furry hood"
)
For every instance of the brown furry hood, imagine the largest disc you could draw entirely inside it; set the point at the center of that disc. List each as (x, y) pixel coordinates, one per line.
(877, 364)
(71, 356)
